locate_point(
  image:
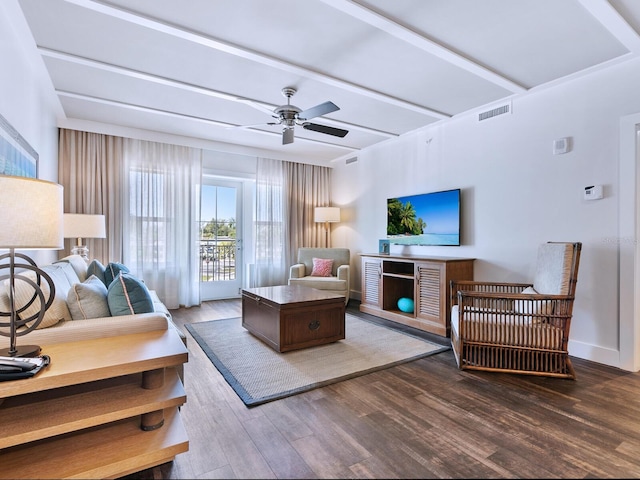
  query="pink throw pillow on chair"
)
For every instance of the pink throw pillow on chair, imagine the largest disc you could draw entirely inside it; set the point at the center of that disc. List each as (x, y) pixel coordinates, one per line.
(322, 267)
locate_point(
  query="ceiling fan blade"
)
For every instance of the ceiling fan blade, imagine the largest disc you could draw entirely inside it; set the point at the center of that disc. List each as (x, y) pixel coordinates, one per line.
(254, 125)
(318, 110)
(287, 136)
(336, 132)
(258, 106)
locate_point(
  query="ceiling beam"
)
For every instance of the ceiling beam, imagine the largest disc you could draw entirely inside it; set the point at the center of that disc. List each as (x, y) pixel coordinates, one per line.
(166, 113)
(403, 33)
(251, 55)
(108, 67)
(611, 19)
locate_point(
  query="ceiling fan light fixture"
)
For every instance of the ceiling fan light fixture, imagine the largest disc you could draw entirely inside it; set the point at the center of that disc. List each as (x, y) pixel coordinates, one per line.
(287, 135)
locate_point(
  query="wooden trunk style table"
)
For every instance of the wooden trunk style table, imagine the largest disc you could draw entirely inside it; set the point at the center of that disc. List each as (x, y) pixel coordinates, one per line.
(290, 317)
(103, 408)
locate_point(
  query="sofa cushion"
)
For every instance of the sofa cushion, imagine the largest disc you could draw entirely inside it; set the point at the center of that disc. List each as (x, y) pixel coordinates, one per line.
(321, 283)
(532, 307)
(79, 265)
(158, 306)
(96, 268)
(94, 328)
(553, 268)
(112, 270)
(127, 295)
(513, 330)
(58, 310)
(68, 271)
(88, 299)
(322, 267)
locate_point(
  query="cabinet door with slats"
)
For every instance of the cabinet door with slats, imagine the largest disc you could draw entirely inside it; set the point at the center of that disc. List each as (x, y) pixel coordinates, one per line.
(371, 281)
(429, 291)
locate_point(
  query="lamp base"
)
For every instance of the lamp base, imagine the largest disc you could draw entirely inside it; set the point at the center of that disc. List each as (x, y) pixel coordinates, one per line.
(21, 351)
(81, 250)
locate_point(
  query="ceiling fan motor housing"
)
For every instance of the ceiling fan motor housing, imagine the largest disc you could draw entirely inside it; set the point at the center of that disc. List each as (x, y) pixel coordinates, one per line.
(287, 114)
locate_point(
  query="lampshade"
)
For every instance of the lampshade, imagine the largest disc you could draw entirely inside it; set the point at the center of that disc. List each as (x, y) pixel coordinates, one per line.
(30, 214)
(78, 225)
(327, 214)
(30, 218)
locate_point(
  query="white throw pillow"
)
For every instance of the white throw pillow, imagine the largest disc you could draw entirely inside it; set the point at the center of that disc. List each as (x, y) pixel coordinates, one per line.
(24, 292)
(532, 307)
(79, 266)
(88, 299)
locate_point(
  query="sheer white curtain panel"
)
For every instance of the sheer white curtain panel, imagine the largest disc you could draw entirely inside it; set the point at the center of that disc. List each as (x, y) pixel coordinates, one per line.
(163, 208)
(269, 226)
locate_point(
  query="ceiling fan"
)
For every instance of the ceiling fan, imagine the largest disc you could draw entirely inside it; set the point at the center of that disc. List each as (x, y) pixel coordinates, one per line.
(289, 116)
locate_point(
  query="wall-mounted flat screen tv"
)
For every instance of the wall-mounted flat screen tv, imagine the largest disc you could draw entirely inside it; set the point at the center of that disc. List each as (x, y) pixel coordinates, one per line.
(425, 219)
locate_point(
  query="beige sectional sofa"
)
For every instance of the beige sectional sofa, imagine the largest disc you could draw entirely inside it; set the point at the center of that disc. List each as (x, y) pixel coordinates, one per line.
(58, 325)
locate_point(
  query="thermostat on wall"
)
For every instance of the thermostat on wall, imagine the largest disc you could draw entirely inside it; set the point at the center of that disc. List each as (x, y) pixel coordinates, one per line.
(593, 192)
(561, 145)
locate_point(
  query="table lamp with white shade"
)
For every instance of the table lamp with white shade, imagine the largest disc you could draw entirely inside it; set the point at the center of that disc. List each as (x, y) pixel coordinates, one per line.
(327, 215)
(30, 219)
(79, 226)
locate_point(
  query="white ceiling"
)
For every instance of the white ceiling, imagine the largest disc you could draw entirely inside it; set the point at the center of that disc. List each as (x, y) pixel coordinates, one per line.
(200, 68)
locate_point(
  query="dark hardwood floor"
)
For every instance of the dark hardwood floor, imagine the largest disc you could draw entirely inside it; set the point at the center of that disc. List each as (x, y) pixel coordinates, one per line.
(423, 419)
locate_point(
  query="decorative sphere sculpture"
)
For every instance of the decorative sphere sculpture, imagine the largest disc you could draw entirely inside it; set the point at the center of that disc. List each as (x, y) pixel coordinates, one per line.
(405, 305)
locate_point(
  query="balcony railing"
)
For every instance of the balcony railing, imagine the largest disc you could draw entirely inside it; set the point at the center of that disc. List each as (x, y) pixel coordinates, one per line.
(217, 259)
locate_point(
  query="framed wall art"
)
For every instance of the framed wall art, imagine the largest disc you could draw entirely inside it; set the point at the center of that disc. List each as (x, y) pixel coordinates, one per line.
(17, 157)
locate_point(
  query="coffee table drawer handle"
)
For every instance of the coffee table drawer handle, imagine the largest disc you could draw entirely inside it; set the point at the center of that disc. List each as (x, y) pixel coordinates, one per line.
(314, 325)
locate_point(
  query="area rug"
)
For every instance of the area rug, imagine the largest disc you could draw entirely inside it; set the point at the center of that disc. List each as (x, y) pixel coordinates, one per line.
(259, 374)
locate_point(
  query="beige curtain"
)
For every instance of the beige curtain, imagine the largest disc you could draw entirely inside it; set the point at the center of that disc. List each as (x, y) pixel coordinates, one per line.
(89, 169)
(306, 187)
(286, 196)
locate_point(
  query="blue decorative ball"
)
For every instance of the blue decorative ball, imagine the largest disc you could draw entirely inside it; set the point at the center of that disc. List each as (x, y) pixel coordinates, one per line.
(405, 305)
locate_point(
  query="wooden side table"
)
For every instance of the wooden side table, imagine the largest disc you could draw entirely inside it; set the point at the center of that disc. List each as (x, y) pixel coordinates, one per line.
(103, 408)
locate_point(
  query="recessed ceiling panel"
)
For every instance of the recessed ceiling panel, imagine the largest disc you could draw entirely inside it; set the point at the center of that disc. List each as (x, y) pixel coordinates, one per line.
(297, 33)
(529, 41)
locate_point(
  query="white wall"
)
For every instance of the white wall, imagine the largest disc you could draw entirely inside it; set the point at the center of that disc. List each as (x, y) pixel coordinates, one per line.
(516, 193)
(28, 100)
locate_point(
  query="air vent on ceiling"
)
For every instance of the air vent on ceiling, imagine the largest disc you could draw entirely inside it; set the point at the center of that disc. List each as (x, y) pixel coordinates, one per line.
(494, 112)
(351, 160)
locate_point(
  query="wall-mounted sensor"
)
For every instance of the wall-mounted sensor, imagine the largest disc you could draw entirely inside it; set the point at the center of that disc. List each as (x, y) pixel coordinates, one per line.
(593, 192)
(562, 145)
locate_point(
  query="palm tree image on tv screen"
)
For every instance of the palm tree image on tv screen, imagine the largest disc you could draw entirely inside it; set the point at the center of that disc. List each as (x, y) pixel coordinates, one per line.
(425, 219)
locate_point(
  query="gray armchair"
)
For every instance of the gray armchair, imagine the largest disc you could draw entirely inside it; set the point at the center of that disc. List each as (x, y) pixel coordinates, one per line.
(338, 282)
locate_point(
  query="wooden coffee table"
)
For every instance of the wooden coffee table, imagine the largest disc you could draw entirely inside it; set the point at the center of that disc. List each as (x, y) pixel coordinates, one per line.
(290, 317)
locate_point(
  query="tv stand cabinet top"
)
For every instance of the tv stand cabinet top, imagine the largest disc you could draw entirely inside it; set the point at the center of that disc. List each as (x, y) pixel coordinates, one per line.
(425, 279)
(410, 257)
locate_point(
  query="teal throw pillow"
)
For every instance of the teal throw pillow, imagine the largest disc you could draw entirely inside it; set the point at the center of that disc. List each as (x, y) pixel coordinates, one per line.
(88, 299)
(128, 295)
(96, 268)
(112, 270)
